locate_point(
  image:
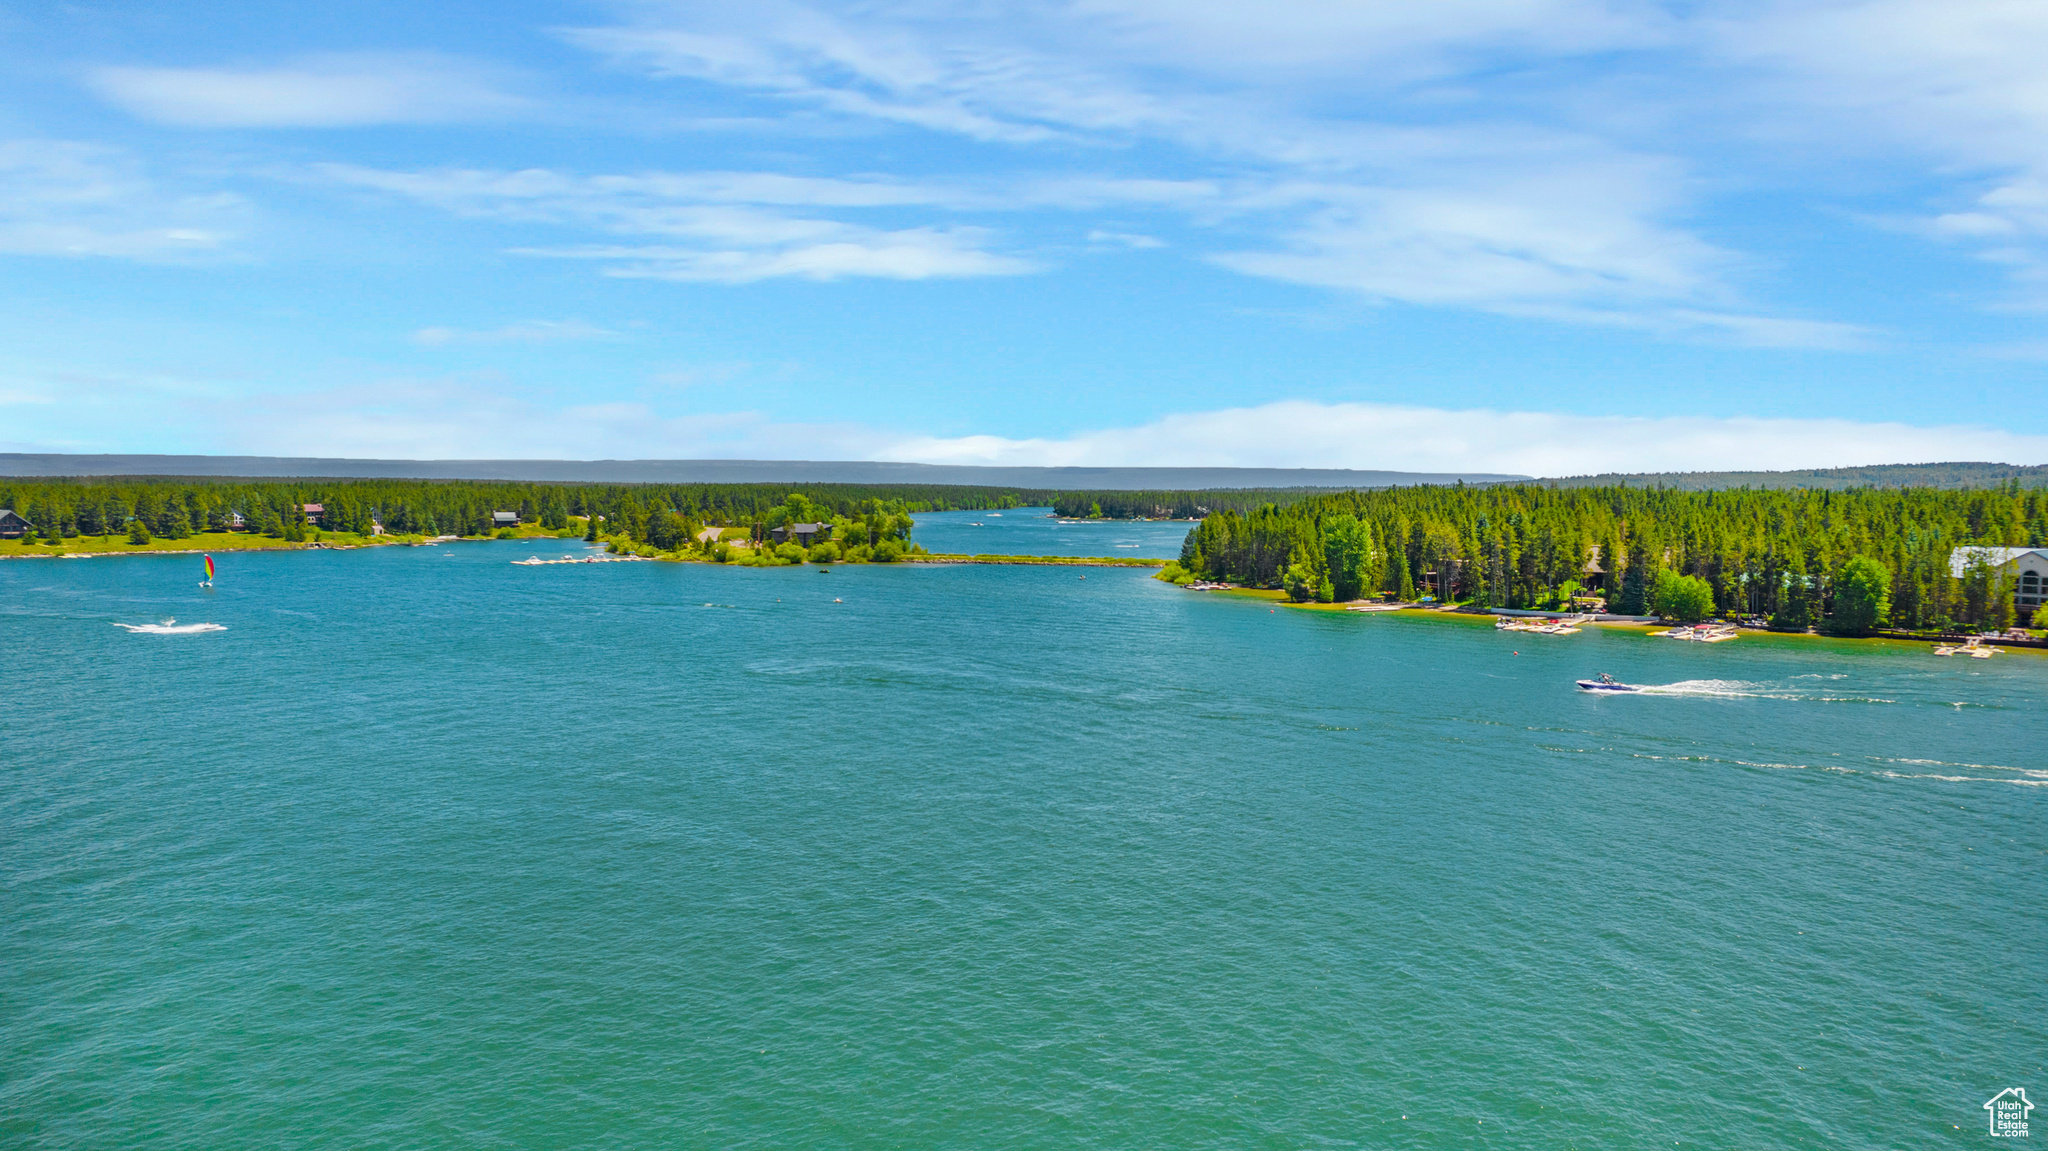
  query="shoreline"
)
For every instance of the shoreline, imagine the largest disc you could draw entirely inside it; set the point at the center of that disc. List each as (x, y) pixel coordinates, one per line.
(239, 543)
(1627, 624)
(183, 548)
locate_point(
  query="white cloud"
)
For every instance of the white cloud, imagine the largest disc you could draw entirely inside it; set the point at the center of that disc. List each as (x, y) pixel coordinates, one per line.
(1303, 434)
(523, 332)
(1125, 239)
(327, 91)
(1956, 84)
(1361, 154)
(479, 416)
(59, 198)
(910, 254)
(726, 227)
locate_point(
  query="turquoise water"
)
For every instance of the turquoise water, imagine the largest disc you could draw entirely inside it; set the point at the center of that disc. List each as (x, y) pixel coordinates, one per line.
(425, 849)
(1037, 532)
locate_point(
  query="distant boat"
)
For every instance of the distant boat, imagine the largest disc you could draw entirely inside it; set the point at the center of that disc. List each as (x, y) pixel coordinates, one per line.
(208, 581)
(1606, 683)
(1972, 647)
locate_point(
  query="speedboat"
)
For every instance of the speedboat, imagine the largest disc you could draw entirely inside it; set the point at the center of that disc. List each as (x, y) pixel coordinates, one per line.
(1606, 683)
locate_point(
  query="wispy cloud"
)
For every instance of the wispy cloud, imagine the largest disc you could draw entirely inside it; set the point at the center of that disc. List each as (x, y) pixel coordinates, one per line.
(482, 416)
(60, 198)
(1299, 433)
(342, 90)
(909, 254)
(728, 227)
(523, 332)
(1361, 154)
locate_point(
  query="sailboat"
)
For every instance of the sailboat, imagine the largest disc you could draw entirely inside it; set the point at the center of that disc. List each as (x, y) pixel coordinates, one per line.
(208, 581)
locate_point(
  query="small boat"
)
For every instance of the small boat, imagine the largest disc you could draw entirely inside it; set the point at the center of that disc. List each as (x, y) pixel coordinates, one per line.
(1606, 683)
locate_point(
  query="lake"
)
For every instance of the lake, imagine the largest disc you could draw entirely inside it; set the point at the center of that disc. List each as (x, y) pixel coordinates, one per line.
(1037, 532)
(426, 849)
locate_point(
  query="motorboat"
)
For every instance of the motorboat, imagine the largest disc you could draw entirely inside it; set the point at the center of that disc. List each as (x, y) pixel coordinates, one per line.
(1606, 682)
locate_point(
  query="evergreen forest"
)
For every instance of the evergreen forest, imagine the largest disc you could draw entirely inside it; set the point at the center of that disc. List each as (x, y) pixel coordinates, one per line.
(1857, 560)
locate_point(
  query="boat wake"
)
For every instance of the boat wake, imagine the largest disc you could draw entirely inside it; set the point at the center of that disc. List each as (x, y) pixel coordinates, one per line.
(171, 627)
(1723, 687)
(1746, 689)
(2020, 777)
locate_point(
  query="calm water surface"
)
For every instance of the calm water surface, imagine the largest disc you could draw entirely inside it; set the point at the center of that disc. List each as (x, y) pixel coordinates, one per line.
(1037, 532)
(425, 849)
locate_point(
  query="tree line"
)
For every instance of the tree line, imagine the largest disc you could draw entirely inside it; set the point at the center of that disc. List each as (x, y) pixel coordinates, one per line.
(867, 531)
(1851, 560)
(178, 507)
(1168, 505)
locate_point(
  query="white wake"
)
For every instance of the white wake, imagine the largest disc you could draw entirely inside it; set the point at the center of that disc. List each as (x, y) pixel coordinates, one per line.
(171, 627)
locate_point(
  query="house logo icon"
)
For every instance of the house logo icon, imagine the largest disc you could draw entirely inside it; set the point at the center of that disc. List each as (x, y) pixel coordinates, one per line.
(2009, 1110)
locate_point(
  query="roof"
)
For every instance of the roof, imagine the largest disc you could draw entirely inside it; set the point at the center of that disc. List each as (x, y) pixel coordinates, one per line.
(15, 514)
(1959, 560)
(807, 529)
(315, 508)
(504, 515)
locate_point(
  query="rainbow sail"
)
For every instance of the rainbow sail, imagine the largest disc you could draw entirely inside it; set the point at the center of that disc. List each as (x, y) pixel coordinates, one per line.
(209, 569)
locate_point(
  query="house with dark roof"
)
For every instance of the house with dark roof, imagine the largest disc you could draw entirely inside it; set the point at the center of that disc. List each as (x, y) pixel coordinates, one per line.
(803, 534)
(504, 520)
(1593, 575)
(12, 526)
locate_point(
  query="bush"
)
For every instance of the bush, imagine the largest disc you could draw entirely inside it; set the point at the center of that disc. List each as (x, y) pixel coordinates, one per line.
(1300, 582)
(888, 552)
(1687, 599)
(138, 532)
(721, 553)
(824, 553)
(789, 553)
(505, 534)
(1863, 597)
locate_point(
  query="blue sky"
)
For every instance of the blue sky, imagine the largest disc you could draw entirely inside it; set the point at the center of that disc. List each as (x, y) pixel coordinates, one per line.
(1545, 236)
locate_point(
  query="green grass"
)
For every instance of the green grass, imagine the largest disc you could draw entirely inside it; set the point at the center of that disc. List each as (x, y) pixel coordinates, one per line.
(203, 542)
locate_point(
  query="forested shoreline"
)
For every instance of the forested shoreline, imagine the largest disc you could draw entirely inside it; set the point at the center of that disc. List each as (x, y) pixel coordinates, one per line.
(1849, 561)
(177, 507)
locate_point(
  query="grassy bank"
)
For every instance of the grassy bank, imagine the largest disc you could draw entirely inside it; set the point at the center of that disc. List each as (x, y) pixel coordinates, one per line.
(230, 542)
(203, 542)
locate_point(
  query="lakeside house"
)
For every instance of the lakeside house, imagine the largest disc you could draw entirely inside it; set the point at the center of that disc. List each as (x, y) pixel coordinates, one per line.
(12, 526)
(315, 513)
(236, 523)
(2026, 569)
(1593, 577)
(803, 534)
(504, 520)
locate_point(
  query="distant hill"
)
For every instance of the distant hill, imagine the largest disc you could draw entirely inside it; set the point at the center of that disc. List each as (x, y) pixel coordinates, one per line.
(728, 472)
(1949, 475)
